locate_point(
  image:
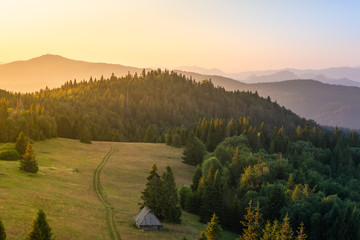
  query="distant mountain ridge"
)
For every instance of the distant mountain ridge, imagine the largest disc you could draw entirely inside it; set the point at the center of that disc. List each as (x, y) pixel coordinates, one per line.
(327, 104)
(346, 76)
(52, 71)
(330, 105)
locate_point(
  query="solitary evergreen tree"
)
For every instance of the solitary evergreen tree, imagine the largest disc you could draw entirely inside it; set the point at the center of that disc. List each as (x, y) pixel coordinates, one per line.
(35, 232)
(21, 143)
(2, 231)
(153, 194)
(170, 201)
(44, 227)
(194, 151)
(28, 162)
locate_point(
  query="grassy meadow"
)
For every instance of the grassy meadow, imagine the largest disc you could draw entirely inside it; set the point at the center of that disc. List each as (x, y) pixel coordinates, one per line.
(64, 189)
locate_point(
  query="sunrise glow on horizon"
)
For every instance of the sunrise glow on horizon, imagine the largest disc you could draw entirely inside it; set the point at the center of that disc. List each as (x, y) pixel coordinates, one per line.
(233, 36)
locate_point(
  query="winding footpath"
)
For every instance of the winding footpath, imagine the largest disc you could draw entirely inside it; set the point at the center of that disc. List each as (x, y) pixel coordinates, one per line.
(110, 222)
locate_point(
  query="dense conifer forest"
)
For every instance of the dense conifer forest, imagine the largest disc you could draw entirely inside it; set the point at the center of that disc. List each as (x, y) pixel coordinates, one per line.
(122, 109)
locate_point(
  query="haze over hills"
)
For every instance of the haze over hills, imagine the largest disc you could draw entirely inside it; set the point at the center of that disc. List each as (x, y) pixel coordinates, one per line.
(345, 76)
(330, 105)
(327, 104)
(52, 71)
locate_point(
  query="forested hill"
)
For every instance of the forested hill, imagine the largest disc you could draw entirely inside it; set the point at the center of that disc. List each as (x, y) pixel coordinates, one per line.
(330, 105)
(123, 108)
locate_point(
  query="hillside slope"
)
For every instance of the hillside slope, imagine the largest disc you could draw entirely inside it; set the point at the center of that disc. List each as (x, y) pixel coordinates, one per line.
(63, 188)
(124, 108)
(331, 105)
(326, 104)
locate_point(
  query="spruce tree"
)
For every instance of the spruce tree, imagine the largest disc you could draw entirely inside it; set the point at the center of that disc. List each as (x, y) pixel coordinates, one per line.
(213, 230)
(194, 151)
(192, 203)
(28, 162)
(149, 135)
(35, 232)
(271, 231)
(211, 137)
(2, 231)
(286, 233)
(251, 223)
(21, 143)
(172, 211)
(219, 195)
(208, 198)
(301, 233)
(44, 227)
(196, 178)
(267, 233)
(152, 196)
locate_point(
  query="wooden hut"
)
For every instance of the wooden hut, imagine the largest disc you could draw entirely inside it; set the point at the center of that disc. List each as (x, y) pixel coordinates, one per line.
(146, 220)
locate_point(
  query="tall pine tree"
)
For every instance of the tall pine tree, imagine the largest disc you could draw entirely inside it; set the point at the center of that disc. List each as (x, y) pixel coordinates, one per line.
(251, 223)
(286, 233)
(28, 162)
(213, 229)
(196, 178)
(152, 195)
(172, 211)
(44, 227)
(21, 143)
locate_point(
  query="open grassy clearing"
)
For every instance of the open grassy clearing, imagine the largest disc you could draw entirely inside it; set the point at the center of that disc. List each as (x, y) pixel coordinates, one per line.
(124, 177)
(64, 189)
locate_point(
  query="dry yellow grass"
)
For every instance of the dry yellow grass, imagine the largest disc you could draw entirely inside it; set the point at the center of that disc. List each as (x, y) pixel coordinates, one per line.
(63, 188)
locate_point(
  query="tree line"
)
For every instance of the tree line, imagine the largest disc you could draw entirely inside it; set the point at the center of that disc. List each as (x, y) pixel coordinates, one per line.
(131, 108)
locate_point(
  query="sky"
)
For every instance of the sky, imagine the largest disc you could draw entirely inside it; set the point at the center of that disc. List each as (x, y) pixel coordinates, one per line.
(231, 35)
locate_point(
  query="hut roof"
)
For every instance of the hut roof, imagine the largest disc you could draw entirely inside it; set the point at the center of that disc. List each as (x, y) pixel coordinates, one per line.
(146, 218)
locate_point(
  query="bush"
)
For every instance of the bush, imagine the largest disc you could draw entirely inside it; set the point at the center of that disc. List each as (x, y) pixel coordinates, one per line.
(194, 152)
(224, 154)
(214, 162)
(8, 152)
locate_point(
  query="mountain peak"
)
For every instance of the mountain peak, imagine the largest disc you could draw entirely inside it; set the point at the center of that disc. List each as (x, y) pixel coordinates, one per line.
(49, 57)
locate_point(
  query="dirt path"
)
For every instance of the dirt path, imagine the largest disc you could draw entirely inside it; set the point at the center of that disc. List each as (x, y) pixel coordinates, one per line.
(110, 222)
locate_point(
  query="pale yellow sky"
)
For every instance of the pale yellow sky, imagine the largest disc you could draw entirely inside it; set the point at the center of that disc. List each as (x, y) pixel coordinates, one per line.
(229, 35)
